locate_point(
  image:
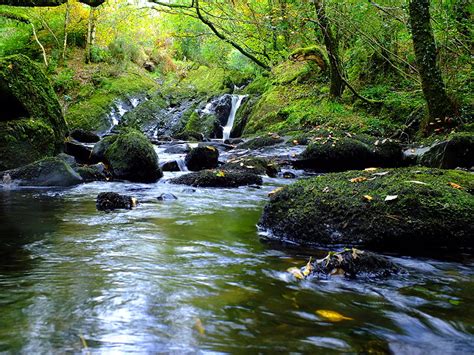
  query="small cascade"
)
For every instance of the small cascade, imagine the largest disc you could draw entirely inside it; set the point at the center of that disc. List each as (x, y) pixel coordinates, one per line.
(181, 165)
(121, 107)
(236, 102)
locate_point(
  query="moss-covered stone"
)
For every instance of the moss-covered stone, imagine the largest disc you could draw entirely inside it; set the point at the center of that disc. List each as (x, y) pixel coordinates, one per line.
(261, 142)
(218, 178)
(200, 158)
(31, 122)
(339, 154)
(132, 157)
(411, 209)
(252, 165)
(456, 152)
(96, 172)
(50, 171)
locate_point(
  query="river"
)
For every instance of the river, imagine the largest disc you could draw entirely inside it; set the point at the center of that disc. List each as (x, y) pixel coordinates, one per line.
(192, 275)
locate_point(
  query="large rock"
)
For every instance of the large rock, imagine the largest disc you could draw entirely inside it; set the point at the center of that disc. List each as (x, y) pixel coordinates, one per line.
(84, 136)
(132, 157)
(201, 158)
(340, 154)
(96, 172)
(457, 152)
(261, 142)
(394, 209)
(81, 153)
(46, 172)
(253, 165)
(218, 178)
(31, 122)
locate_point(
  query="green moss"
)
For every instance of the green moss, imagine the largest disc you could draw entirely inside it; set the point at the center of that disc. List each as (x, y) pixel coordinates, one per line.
(24, 141)
(428, 210)
(132, 157)
(25, 81)
(93, 103)
(145, 113)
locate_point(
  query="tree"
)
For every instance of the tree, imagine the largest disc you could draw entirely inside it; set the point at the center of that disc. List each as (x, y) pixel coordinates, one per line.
(434, 91)
(330, 41)
(37, 3)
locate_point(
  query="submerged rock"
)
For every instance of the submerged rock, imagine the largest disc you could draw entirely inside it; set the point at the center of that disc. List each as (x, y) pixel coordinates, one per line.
(253, 165)
(457, 152)
(340, 154)
(31, 122)
(218, 178)
(108, 201)
(166, 197)
(200, 158)
(351, 263)
(132, 157)
(393, 209)
(178, 149)
(84, 136)
(171, 165)
(46, 172)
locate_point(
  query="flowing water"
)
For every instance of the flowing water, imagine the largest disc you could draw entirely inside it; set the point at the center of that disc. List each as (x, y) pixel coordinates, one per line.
(236, 102)
(192, 275)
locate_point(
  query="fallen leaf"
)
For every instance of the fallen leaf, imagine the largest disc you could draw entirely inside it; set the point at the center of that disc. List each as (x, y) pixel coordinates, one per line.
(455, 186)
(278, 189)
(358, 179)
(326, 189)
(220, 173)
(332, 316)
(199, 327)
(382, 173)
(370, 169)
(296, 272)
(417, 182)
(308, 268)
(134, 202)
(250, 167)
(211, 148)
(10, 66)
(391, 197)
(368, 197)
(295, 142)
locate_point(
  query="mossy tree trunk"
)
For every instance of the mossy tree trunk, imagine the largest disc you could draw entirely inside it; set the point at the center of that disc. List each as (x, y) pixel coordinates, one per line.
(439, 104)
(331, 43)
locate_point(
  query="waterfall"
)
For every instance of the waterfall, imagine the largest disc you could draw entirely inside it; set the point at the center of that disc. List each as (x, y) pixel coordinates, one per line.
(181, 164)
(236, 102)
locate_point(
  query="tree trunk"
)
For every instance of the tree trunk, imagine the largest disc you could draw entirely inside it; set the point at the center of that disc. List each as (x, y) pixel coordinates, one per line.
(330, 41)
(66, 24)
(90, 35)
(439, 104)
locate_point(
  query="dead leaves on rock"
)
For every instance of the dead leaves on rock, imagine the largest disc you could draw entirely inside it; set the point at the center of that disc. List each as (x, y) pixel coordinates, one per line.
(455, 186)
(358, 179)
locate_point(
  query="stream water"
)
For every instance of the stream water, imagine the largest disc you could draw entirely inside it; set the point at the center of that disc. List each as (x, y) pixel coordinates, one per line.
(192, 275)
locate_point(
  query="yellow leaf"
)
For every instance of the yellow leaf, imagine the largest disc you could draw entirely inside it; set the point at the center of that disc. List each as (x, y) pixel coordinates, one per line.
(134, 202)
(211, 148)
(308, 268)
(368, 197)
(199, 327)
(331, 316)
(358, 179)
(370, 169)
(278, 189)
(296, 272)
(455, 186)
(295, 142)
(220, 173)
(10, 66)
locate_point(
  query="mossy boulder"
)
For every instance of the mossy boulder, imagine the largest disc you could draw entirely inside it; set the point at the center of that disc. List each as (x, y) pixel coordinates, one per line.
(131, 157)
(201, 158)
(192, 136)
(253, 165)
(340, 154)
(218, 178)
(50, 171)
(411, 209)
(31, 122)
(261, 142)
(457, 152)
